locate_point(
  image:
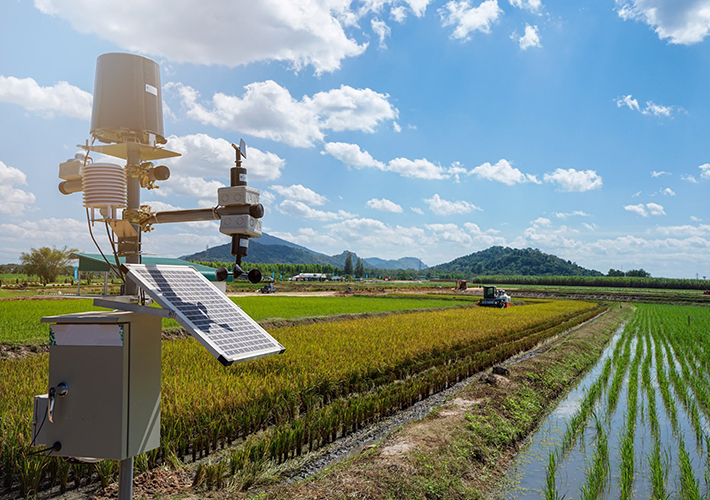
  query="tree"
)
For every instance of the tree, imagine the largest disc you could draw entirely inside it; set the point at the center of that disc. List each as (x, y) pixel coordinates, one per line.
(46, 263)
(348, 268)
(359, 268)
(638, 273)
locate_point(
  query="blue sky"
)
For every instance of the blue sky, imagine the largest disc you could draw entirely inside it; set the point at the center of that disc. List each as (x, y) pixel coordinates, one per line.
(391, 128)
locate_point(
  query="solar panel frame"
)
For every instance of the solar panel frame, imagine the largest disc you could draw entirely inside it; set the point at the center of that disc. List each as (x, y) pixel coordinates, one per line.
(221, 326)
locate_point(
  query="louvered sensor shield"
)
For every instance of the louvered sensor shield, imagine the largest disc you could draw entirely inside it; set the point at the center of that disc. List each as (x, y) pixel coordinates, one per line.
(226, 331)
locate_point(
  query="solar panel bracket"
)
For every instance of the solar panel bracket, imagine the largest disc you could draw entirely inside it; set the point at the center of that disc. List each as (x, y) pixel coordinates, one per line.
(137, 308)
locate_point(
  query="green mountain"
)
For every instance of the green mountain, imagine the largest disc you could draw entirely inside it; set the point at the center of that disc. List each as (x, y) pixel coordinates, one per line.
(272, 250)
(512, 262)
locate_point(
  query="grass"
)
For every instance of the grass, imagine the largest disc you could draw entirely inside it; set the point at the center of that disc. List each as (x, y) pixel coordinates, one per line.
(20, 320)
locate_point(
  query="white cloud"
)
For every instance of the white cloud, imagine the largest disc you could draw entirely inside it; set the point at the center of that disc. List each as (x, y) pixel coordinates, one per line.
(591, 227)
(680, 22)
(705, 171)
(213, 157)
(688, 178)
(668, 192)
(574, 213)
(396, 127)
(300, 210)
(440, 206)
(531, 5)
(61, 98)
(231, 33)
(384, 205)
(651, 108)
(658, 174)
(503, 172)
(467, 19)
(684, 231)
(417, 210)
(351, 155)
(648, 210)
(381, 30)
(268, 110)
(192, 187)
(695, 219)
(418, 169)
(636, 194)
(50, 232)
(399, 14)
(531, 38)
(370, 233)
(14, 200)
(541, 221)
(575, 181)
(298, 192)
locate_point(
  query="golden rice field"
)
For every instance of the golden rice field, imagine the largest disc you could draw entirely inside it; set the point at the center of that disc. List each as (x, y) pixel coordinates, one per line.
(333, 379)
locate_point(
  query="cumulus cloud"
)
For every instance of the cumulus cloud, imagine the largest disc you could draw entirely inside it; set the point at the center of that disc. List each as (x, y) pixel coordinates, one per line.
(651, 108)
(300, 210)
(418, 169)
(298, 192)
(667, 192)
(541, 221)
(49, 232)
(300, 33)
(59, 99)
(705, 171)
(14, 200)
(648, 210)
(381, 30)
(575, 181)
(689, 178)
(267, 110)
(503, 172)
(353, 156)
(685, 22)
(531, 5)
(684, 231)
(467, 19)
(530, 39)
(658, 174)
(417, 210)
(574, 213)
(384, 205)
(591, 227)
(440, 206)
(213, 157)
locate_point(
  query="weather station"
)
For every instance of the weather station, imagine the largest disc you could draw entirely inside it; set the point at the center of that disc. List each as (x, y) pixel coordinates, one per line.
(103, 398)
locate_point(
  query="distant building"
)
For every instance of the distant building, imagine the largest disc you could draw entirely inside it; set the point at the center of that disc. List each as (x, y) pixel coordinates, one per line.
(309, 277)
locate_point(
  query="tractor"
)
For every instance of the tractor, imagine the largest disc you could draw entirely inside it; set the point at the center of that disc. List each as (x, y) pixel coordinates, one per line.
(493, 297)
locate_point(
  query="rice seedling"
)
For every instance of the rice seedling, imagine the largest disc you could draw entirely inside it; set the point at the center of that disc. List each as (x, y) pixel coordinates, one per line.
(596, 476)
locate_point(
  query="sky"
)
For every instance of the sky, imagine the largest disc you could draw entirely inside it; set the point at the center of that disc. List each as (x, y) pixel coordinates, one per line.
(391, 128)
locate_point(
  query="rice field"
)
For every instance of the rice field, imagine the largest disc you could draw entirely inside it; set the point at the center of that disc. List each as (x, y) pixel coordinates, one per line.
(20, 320)
(638, 425)
(333, 379)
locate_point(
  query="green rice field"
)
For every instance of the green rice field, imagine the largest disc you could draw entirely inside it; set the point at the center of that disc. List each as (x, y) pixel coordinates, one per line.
(20, 320)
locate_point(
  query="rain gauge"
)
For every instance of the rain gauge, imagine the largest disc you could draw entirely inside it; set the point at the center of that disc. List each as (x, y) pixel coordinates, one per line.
(103, 399)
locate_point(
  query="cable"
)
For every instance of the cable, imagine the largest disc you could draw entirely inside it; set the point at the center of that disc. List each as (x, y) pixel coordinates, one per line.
(40, 427)
(55, 447)
(91, 233)
(115, 253)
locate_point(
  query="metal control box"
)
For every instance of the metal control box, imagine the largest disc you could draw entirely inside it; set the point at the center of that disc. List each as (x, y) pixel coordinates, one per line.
(110, 363)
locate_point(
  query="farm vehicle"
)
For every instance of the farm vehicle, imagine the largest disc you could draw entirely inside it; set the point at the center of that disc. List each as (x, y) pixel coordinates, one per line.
(493, 297)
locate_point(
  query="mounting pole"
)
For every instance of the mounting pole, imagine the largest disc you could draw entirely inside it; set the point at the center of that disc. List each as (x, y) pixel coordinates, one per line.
(133, 202)
(125, 479)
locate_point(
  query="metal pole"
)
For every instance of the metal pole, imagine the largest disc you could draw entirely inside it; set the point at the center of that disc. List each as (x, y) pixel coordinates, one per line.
(133, 201)
(125, 479)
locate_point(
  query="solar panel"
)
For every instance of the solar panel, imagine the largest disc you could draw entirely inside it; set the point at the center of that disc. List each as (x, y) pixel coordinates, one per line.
(210, 316)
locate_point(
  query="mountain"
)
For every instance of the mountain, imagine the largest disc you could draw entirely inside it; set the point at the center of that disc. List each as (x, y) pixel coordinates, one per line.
(513, 261)
(403, 263)
(272, 250)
